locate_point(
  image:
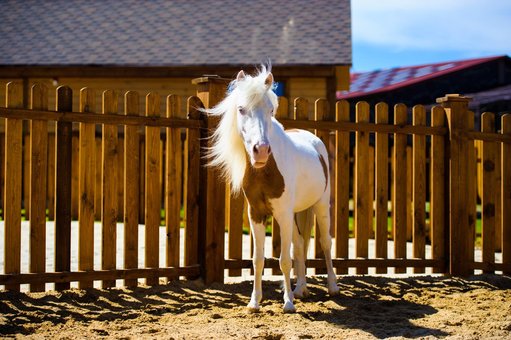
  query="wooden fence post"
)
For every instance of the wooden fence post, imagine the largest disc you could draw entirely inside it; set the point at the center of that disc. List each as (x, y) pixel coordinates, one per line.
(458, 116)
(210, 91)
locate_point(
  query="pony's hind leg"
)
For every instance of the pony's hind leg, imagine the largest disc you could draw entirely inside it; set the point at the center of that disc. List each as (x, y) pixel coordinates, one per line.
(301, 237)
(322, 211)
(258, 232)
(300, 290)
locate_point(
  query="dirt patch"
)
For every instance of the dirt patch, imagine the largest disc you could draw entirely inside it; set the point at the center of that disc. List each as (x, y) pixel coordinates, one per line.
(368, 307)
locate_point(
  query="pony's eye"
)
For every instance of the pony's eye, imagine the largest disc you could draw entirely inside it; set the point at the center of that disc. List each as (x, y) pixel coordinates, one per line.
(242, 110)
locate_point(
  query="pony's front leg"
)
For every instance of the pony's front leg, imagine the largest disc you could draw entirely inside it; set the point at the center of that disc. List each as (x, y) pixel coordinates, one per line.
(258, 232)
(286, 233)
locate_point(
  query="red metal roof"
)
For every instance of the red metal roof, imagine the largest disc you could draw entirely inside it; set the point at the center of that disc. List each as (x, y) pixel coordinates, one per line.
(366, 83)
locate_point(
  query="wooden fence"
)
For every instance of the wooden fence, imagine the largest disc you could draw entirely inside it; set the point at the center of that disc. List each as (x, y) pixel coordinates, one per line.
(65, 160)
(145, 167)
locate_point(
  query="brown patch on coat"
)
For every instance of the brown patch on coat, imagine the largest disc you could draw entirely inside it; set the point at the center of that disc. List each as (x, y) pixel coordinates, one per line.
(261, 185)
(325, 169)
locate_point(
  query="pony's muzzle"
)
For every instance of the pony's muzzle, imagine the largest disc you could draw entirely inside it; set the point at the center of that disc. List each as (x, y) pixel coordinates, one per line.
(261, 152)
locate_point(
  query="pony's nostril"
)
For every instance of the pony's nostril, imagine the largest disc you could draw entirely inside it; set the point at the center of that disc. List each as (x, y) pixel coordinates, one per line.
(269, 149)
(255, 149)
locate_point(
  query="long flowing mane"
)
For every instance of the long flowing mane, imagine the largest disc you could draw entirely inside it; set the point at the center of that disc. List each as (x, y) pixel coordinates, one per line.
(228, 151)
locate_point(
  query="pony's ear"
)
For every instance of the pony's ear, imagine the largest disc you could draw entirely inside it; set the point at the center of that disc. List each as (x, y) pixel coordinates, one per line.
(269, 80)
(240, 76)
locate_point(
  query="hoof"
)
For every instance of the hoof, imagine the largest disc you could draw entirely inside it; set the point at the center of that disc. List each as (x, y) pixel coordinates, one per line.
(289, 307)
(301, 292)
(253, 308)
(333, 291)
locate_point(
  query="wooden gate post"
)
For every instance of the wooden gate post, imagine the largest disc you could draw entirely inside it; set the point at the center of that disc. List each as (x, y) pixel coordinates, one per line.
(460, 218)
(211, 90)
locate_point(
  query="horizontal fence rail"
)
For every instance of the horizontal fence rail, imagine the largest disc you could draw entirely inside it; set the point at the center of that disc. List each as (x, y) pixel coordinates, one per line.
(111, 193)
(96, 118)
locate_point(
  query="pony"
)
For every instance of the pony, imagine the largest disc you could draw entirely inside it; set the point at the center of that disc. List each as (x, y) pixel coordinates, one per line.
(282, 173)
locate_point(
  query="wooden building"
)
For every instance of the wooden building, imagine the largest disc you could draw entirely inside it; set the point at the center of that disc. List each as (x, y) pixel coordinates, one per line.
(162, 45)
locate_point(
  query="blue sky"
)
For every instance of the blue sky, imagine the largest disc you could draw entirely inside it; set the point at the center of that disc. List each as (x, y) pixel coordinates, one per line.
(392, 33)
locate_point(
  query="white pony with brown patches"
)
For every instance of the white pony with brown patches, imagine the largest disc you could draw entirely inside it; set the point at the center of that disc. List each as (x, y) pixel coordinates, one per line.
(282, 173)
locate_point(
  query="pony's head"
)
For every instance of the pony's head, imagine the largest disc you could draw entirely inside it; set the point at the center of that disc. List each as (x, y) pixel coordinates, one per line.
(242, 136)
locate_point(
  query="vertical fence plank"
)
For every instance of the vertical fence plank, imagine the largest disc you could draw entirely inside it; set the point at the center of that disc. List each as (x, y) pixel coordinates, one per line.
(490, 190)
(371, 174)
(382, 183)
(322, 113)
(109, 213)
(362, 195)
(119, 169)
(86, 182)
(342, 185)
(25, 168)
(409, 193)
(173, 183)
(234, 213)
(399, 190)
(506, 194)
(131, 185)
(63, 171)
(191, 194)
(38, 168)
(99, 178)
(50, 187)
(75, 159)
(317, 244)
(471, 192)
(12, 188)
(419, 187)
(141, 200)
(300, 112)
(498, 202)
(152, 187)
(437, 191)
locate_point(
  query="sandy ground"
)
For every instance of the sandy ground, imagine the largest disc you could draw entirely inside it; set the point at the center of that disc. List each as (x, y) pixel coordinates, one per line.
(367, 307)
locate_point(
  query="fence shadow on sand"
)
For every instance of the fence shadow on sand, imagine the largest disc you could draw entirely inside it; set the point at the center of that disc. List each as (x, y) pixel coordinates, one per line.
(381, 306)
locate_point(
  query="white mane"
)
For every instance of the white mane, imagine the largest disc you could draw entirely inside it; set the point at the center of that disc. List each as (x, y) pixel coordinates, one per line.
(228, 151)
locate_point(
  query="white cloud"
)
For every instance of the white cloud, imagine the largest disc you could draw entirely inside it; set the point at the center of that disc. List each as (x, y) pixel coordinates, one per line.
(461, 25)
